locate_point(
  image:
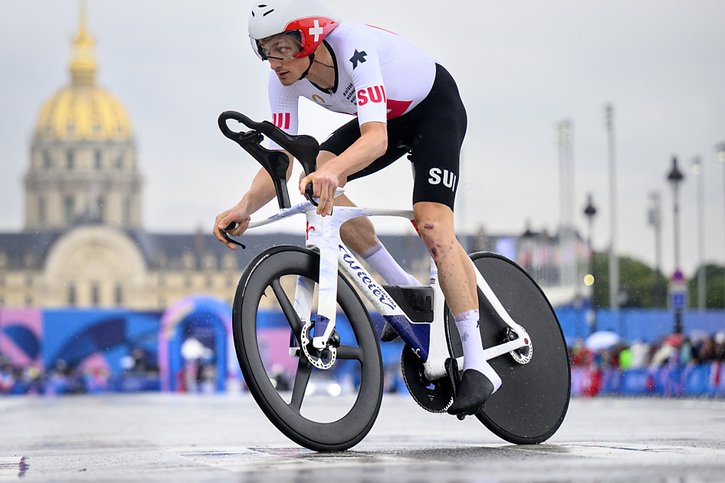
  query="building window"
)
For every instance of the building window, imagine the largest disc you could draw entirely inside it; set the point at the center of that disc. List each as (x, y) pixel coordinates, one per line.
(70, 159)
(95, 295)
(72, 296)
(47, 160)
(119, 295)
(127, 211)
(68, 208)
(42, 209)
(100, 208)
(98, 160)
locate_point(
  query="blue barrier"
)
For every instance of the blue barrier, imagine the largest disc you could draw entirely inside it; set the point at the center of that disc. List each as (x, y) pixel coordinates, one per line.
(702, 380)
(635, 382)
(648, 325)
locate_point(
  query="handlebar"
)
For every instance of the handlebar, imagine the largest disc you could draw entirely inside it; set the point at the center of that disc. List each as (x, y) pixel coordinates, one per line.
(304, 148)
(229, 239)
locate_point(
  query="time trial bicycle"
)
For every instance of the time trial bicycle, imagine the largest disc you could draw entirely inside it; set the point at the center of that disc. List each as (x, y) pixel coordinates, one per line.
(319, 290)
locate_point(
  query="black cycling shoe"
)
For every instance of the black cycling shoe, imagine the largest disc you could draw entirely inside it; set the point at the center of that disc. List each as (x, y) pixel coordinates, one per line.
(471, 394)
(388, 334)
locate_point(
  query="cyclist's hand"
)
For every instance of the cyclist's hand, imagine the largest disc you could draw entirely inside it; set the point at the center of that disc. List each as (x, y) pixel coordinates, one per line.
(324, 184)
(228, 217)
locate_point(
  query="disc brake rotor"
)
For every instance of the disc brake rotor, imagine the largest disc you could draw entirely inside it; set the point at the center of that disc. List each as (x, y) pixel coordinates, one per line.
(433, 396)
(321, 359)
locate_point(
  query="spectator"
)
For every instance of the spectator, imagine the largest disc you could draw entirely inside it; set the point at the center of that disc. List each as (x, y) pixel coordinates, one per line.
(640, 354)
(719, 348)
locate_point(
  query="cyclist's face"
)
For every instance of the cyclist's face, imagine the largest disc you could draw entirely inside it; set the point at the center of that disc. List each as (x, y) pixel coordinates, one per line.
(280, 47)
(280, 51)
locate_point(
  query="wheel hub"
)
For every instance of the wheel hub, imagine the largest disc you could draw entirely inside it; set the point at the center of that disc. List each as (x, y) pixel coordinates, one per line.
(522, 355)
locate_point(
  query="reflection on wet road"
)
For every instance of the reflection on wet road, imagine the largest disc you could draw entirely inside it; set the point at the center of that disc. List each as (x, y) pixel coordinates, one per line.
(220, 438)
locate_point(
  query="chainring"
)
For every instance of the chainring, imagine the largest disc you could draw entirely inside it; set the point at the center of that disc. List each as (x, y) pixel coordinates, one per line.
(433, 396)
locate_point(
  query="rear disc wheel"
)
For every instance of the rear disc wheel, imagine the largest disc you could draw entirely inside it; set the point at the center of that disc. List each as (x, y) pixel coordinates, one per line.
(534, 397)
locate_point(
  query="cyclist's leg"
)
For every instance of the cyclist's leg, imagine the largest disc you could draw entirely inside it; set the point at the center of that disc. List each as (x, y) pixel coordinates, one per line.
(436, 159)
(359, 235)
(458, 282)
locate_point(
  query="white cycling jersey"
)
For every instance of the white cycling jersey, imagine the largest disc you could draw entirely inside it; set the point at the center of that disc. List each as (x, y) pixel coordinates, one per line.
(379, 76)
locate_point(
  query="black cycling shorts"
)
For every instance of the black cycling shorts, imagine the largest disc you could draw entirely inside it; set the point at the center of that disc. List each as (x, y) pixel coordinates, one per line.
(432, 132)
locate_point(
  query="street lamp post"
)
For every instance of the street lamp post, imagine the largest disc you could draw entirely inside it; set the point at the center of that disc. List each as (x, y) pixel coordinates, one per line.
(720, 148)
(654, 218)
(675, 177)
(697, 170)
(590, 211)
(613, 259)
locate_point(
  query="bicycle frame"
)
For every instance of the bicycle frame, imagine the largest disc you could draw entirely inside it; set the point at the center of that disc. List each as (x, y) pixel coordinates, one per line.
(427, 339)
(317, 344)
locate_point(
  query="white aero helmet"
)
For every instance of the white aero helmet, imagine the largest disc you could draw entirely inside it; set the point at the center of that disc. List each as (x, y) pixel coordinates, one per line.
(310, 18)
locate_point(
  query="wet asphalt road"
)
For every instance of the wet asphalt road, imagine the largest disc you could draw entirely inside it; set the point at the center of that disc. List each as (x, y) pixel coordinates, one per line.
(227, 438)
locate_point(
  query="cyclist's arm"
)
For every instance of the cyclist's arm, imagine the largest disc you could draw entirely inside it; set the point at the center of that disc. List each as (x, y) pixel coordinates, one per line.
(372, 144)
(259, 194)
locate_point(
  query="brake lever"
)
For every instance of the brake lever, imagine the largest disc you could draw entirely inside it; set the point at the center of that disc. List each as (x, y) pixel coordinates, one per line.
(226, 236)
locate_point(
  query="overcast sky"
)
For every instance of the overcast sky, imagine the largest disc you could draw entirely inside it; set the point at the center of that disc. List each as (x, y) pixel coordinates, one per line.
(521, 67)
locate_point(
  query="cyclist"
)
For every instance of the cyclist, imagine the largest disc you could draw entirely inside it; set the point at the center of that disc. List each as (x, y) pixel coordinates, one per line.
(404, 102)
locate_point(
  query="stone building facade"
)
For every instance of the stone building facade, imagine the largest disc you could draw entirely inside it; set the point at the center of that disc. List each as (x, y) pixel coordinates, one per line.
(83, 244)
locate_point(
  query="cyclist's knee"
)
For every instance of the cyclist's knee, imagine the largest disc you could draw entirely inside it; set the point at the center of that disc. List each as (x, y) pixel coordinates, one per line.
(438, 237)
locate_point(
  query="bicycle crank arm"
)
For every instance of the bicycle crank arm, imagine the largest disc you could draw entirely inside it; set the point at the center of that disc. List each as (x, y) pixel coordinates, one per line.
(499, 350)
(505, 348)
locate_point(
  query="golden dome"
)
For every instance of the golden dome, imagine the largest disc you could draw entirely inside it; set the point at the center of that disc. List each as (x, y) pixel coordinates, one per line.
(83, 110)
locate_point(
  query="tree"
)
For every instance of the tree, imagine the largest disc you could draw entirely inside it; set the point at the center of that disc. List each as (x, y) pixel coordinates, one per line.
(714, 289)
(640, 285)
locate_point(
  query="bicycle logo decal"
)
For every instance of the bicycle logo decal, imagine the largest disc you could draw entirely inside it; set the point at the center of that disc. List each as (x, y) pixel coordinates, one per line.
(308, 229)
(374, 288)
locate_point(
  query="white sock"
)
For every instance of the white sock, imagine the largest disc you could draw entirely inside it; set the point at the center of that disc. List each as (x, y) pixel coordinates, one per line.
(467, 325)
(382, 262)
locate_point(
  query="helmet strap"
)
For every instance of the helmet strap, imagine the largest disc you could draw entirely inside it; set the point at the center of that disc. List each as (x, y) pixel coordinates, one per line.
(307, 71)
